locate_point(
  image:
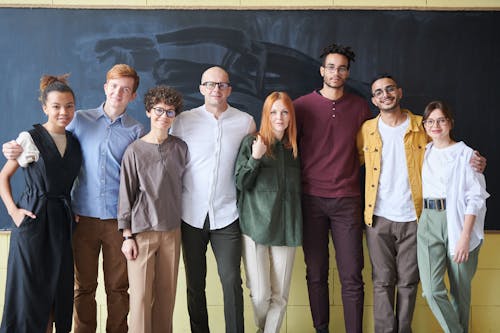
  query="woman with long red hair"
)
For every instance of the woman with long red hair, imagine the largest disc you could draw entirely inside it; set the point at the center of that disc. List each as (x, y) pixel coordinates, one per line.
(268, 180)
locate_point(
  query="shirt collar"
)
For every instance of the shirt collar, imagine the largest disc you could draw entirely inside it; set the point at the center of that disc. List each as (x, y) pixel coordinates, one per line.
(124, 118)
(415, 124)
(338, 100)
(222, 115)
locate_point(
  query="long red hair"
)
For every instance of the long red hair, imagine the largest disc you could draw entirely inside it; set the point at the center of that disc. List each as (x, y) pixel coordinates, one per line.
(266, 129)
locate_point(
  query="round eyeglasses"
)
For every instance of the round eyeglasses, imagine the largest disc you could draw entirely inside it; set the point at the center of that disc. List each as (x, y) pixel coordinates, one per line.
(430, 122)
(161, 111)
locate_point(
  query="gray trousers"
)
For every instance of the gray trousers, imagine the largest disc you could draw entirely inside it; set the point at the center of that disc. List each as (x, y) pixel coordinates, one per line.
(393, 255)
(434, 260)
(226, 244)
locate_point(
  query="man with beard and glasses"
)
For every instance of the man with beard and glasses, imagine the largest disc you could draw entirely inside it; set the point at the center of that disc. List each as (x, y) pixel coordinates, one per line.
(395, 140)
(392, 146)
(328, 120)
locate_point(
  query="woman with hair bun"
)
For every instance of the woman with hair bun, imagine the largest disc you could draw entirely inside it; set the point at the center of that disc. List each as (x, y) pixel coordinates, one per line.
(39, 289)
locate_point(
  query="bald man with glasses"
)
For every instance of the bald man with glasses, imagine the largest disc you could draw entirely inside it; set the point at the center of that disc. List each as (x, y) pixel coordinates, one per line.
(213, 133)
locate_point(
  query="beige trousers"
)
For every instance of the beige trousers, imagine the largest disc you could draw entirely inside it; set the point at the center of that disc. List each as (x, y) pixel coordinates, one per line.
(268, 272)
(153, 281)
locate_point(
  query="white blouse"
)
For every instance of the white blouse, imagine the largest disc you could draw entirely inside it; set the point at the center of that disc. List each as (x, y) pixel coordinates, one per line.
(465, 194)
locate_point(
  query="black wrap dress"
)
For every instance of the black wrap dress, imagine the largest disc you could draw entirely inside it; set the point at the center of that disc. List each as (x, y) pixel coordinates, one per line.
(40, 266)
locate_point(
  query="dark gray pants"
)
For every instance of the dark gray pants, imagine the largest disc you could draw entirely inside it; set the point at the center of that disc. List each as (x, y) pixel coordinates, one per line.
(226, 244)
(393, 254)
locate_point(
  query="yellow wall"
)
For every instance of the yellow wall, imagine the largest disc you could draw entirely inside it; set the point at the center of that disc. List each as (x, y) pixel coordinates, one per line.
(485, 308)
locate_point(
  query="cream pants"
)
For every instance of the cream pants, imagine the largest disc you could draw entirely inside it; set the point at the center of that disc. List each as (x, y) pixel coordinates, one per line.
(268, 273)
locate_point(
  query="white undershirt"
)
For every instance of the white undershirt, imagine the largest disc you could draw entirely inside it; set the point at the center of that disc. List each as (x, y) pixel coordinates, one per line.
(394, 201)
(436, 171)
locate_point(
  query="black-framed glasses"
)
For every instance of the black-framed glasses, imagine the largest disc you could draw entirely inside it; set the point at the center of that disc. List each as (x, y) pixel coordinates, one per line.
(430, 122)
(388, 90)
(210, 85)
(340, 69)
(161, 111)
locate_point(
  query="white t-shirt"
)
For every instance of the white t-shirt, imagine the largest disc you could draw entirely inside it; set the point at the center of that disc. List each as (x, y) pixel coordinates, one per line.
(394, 201)
(436, 171)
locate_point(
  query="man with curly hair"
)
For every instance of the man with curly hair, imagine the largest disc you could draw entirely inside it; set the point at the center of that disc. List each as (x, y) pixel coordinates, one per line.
(328, 120)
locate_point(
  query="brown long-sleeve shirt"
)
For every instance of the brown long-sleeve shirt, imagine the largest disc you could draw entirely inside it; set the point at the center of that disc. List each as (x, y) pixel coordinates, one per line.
(151, 185)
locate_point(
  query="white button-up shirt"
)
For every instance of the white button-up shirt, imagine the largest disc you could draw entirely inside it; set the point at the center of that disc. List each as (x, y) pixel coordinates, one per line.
(465, 194)
(208, 183)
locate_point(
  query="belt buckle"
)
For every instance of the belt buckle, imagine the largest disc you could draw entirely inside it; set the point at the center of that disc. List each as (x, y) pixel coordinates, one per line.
(440, 204)
(435, 204)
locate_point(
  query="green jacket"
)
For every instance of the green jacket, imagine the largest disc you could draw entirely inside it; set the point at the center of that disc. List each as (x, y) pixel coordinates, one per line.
(269, 195)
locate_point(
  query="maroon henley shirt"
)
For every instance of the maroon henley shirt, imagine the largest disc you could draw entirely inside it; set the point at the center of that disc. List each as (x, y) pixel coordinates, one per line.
(327, 143)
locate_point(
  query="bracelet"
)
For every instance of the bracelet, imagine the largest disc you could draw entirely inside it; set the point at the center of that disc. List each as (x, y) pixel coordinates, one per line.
(128, 237)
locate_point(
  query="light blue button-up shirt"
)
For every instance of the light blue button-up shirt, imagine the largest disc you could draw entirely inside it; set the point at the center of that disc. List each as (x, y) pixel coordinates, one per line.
(103, 143)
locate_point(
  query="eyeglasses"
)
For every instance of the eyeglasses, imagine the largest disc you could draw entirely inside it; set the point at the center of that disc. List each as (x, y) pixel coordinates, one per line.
(332, 69)
(210, 85)
(388, 90)
(161, 111)
(430, 122)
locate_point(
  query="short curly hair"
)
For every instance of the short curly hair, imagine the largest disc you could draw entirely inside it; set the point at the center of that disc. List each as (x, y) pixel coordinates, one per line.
(163, 94)
(346, 51)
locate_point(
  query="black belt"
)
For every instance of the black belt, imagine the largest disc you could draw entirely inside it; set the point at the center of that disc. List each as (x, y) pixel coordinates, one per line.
(438, 204)
(66, 200)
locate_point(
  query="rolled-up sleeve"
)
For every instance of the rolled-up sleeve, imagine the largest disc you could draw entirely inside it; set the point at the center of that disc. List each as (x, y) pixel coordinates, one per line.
(475, 192)
(30, 152)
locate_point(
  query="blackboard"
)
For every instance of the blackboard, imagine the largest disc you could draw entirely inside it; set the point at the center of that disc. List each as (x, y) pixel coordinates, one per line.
(450, 55)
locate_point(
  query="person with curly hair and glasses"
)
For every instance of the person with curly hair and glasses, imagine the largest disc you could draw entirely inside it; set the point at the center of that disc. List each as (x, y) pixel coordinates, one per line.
(149, 214)
(328, 120)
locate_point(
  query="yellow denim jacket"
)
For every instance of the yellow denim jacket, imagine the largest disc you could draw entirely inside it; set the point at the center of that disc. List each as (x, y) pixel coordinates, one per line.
(369, 145)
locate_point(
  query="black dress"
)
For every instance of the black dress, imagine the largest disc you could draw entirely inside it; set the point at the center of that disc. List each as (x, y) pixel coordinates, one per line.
(40, 267)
